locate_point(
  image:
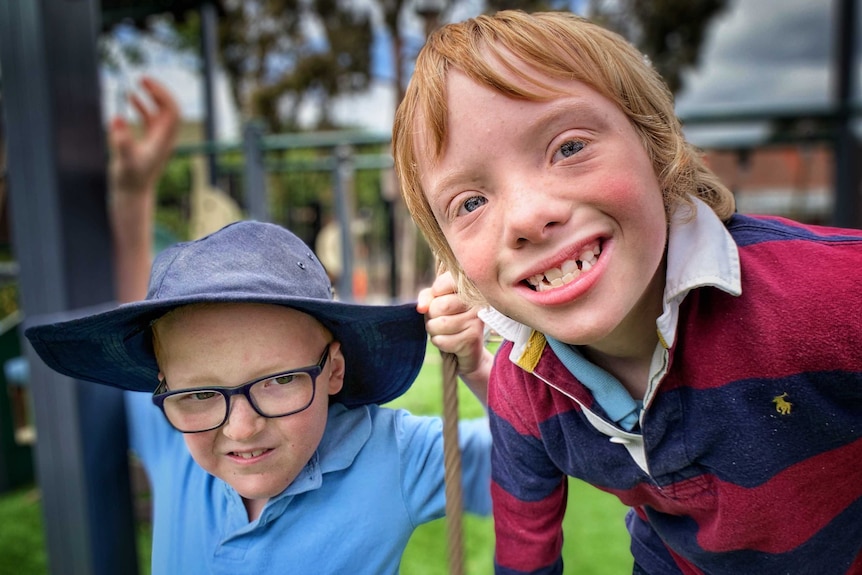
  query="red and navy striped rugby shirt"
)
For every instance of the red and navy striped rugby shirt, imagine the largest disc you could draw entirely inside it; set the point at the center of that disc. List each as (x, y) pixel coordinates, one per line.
(750, 446)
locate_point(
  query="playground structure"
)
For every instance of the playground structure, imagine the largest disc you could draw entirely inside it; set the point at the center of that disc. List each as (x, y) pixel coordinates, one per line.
(56, 164)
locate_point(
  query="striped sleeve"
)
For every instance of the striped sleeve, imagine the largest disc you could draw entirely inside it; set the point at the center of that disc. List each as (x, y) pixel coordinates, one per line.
(528, 491)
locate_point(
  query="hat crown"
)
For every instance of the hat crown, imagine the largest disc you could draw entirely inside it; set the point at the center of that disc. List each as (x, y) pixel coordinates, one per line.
(244, 258)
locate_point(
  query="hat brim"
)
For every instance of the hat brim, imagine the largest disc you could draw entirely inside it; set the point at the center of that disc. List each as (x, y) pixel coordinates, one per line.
(383, 346)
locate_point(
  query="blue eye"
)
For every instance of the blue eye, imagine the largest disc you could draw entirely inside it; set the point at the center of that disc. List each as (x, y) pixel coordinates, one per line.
(474, 203)
(571, 148)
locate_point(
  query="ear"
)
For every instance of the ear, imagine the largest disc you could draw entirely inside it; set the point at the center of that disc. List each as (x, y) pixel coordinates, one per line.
(335, 369)
(160, 378)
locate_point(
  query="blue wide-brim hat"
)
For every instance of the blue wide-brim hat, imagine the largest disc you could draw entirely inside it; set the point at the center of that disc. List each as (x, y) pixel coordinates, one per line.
(244, 262)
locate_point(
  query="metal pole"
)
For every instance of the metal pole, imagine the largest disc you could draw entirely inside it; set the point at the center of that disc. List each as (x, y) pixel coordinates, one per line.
(56, 165)
(847, 212)
(255, 173)
(343, 190)
(209, 30)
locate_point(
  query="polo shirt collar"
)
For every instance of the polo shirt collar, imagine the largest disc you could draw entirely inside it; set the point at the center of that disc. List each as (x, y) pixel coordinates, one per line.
(347, 431)
(700, 253)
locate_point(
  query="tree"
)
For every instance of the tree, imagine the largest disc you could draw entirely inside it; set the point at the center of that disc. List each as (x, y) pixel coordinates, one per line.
(670, 32)
(279, 55)
(433, 13)
(282, 54)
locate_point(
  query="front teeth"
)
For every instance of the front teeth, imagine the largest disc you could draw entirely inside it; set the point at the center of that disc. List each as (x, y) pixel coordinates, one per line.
(248, 454)
(568, 272)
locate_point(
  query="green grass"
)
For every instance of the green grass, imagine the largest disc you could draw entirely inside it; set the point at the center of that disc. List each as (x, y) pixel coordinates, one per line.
(596, 542)
(22, 541)
(22, 544)
(595, 538)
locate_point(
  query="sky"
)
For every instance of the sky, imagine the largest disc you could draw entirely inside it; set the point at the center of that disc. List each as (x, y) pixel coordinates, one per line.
(758, 54)
(762, 54)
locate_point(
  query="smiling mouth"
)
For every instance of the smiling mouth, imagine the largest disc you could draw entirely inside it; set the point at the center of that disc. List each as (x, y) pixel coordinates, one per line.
(248, 454)
(568, 272)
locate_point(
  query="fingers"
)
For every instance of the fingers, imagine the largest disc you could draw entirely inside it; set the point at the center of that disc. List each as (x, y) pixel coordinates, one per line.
(451, 323)
(449, 309)
(159, 111)
(167, 112)
(460, 334)
(426, 296)
(451, 332)
(441, 299)
(140, 159)
(119, 136)
(159, 93)
(141, 109)
(443, 284)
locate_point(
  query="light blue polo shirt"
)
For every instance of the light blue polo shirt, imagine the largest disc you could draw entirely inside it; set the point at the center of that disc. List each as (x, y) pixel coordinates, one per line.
(376, 476)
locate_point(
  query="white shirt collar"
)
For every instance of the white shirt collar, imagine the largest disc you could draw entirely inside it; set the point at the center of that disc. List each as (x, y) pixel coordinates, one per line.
(700, 253)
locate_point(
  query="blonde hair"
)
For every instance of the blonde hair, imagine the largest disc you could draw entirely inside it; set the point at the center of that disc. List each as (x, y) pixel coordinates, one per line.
(556, 45)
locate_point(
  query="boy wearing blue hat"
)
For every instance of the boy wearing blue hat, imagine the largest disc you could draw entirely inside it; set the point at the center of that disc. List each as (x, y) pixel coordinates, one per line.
(270, 451)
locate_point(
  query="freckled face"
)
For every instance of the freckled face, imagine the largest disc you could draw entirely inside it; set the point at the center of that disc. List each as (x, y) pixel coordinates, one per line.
(227, 345)
(553, 210)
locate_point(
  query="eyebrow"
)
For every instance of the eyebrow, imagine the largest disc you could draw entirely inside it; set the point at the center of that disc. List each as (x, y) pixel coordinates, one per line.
(452, 178)
(207, 385)
(582, 108)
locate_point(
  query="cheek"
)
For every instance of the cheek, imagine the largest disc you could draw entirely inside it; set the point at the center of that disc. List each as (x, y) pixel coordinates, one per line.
(300, 435)
(475, 258)
(306, 427)
(200, 446)
(474, 241)
(635, 193)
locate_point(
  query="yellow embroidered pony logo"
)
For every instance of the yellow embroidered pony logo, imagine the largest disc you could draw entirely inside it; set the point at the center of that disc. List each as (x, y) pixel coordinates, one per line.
(782, 406)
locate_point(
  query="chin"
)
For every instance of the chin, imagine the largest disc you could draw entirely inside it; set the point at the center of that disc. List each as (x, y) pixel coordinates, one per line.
(257, 486)
(259, 492)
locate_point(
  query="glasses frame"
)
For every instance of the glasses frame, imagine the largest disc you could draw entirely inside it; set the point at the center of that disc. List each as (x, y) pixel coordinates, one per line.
(243, 389)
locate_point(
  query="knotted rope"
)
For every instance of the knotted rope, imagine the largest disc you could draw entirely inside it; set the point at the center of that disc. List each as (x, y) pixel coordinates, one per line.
(452, 464)
(452, 459)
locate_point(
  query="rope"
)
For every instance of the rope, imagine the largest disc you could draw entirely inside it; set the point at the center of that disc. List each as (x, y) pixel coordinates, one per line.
(452, 465)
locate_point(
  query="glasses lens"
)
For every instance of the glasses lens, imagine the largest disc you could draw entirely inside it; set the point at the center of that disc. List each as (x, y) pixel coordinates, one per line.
(196, 410)
(283, 394)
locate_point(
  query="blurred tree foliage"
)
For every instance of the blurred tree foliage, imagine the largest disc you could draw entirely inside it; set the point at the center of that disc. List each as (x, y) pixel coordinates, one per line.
(277, 65)
(670, 32)
(281, 55)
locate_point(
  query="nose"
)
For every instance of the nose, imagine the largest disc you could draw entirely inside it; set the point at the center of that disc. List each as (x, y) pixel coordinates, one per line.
(243, 421)
(532, 215)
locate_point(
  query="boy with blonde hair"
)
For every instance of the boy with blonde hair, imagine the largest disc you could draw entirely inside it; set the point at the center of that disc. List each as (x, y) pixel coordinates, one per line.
(701, 365)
